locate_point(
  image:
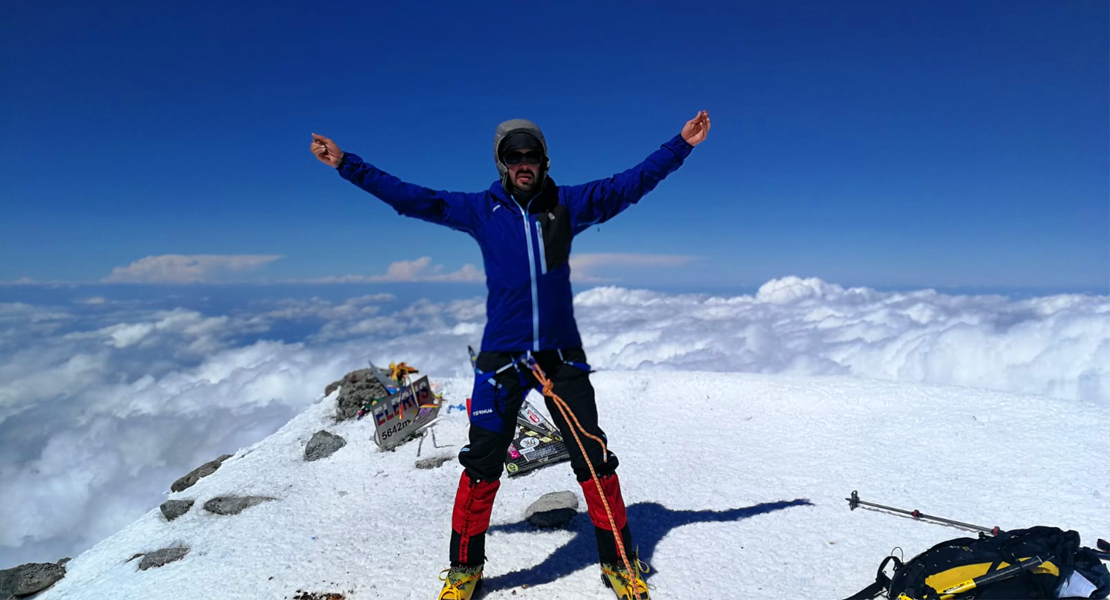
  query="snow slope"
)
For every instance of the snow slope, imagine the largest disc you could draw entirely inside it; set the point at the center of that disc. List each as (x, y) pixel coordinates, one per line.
(735, 485)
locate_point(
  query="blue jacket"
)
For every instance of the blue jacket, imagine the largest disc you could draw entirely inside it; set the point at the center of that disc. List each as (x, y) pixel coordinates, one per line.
(525, 251)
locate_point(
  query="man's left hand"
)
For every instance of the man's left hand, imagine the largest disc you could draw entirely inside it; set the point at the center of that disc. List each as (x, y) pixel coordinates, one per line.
(696, 129)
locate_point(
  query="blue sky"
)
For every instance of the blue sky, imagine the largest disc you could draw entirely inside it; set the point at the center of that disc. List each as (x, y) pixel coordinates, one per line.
(884, 144)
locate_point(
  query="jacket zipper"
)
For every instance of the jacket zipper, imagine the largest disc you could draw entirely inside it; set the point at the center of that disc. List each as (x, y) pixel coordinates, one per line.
(532, 274)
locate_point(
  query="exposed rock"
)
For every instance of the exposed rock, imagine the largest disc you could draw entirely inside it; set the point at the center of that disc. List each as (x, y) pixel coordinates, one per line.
(204, 470)
(162, 557)
(29, 578)
(173, 509)
(233, 505)
(552, 510)
(359, 387)
(323, 445)
(433, 462)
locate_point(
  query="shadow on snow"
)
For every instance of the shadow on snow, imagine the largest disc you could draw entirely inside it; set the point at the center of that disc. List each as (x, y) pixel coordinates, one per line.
(650, 523)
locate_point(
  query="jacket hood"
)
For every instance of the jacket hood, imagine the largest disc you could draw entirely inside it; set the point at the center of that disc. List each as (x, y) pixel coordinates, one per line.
(504, 130)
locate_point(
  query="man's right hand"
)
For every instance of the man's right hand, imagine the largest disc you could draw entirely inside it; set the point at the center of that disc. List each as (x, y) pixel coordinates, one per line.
(326, 151)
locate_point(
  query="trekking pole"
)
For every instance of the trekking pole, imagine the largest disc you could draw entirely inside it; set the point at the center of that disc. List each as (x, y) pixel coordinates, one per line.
(854, 502)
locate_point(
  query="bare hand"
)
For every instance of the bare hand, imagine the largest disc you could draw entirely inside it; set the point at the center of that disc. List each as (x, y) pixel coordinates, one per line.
(696, 129)
(326, 150)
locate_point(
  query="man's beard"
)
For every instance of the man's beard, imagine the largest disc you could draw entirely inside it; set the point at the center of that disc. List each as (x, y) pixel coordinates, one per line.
(527, 188)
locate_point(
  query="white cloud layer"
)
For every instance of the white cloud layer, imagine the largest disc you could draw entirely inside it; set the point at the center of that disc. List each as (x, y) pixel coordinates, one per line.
(585, 267)
(28, 281)
(420, 269)
(180, 268)
(103, 406)
(1055, 346)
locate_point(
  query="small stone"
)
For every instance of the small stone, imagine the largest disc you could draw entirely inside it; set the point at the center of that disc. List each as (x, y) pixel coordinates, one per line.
(162, 557)
(433, 462)
(323, 445)
(173, 509)
(552, 510)
(204, 470)
(233, 505)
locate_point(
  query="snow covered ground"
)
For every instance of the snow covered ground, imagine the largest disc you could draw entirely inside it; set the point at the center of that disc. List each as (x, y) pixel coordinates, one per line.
(736, 487)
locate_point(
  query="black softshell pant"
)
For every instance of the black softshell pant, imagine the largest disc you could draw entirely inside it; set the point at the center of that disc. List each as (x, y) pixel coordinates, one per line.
(493, 411)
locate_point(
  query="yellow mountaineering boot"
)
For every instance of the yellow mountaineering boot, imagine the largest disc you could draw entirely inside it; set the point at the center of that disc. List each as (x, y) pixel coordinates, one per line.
(460, 583)
(627, 586)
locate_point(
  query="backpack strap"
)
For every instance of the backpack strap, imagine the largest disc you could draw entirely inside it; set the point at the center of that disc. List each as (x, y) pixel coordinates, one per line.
(881, 584)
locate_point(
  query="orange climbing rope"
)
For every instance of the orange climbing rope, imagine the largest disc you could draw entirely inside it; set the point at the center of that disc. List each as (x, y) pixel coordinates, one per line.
(569, 416)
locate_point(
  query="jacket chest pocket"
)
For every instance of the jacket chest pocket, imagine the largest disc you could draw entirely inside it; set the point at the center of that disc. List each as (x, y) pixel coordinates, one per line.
(554, 226)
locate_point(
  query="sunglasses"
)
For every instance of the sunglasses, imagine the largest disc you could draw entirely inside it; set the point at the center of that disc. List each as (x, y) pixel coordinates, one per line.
(515, 158)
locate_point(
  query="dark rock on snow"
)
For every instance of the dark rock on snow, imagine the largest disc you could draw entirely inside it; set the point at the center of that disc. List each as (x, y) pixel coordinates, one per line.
(204, 470)
(323, 445)
(552, 510)
(359, 387)
(173, 509)
(162, 557)
(433, 462)
(29, 578)
(233, 505)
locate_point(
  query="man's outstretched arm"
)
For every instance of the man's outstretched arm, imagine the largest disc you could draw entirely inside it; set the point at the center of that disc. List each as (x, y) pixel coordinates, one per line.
(601, 200)
(453, 209)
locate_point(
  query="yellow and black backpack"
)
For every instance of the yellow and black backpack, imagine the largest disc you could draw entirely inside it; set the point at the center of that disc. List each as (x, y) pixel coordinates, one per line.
(1038, 562)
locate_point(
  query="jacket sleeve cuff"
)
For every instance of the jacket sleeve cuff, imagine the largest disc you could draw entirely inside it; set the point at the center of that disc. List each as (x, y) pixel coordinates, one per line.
(679, 146)
(349, 164)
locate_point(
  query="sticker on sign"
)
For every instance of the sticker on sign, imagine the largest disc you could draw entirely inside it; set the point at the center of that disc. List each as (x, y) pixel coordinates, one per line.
(400, 416)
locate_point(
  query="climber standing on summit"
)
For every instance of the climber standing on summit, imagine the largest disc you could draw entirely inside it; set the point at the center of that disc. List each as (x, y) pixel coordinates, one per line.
(524, 224)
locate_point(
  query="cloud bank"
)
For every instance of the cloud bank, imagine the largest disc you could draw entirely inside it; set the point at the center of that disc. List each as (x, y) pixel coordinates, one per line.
(1055, 346)
(420, 269)
(104, 403)
(586, 267)
(180, 268)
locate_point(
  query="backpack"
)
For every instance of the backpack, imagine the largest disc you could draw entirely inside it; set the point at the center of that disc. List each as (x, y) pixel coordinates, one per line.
(1017, 564)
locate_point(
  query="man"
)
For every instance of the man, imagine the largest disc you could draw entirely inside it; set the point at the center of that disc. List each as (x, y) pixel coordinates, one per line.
(524, 225)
